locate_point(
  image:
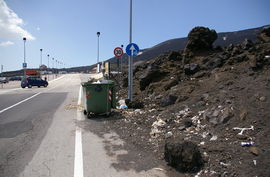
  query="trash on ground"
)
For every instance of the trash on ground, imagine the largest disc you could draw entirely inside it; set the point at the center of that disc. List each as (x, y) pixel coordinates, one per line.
(251, 143)
(243, 129)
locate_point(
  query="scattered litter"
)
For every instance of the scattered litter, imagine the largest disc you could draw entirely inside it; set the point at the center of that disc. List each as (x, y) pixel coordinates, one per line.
(251, 143)
(168, 134)
(202, 143)
(204, 135)
(152, 110)
(123, 107)
(122, 104)
(199, 173)
(159, 123)
(267, 56)
(160, 169)
(243, 129)
(214, 138)
(224, 164)
(255, 162)
(70, 106)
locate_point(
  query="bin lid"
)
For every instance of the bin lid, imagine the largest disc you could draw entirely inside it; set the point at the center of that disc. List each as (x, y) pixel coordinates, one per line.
(103, 82)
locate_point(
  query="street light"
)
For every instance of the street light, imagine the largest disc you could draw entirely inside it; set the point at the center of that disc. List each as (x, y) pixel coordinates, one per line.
(40, 58)
(98, 34)
(24, 60)
(130, 59)
(48, 60)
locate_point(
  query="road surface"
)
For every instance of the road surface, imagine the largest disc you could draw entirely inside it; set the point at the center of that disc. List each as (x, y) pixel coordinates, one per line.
(43, 133)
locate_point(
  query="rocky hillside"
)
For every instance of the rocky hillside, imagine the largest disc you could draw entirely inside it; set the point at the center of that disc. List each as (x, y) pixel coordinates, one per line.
(224, 39)
(203, 110)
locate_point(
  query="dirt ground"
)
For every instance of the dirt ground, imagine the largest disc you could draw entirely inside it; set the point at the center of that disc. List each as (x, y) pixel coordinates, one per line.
(209, 106)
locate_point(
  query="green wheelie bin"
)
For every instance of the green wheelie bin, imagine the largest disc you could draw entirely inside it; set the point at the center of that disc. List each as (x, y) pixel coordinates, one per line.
(99, 97)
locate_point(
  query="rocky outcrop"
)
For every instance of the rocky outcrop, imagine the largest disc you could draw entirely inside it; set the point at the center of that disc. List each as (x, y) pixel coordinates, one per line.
(185, 156)
(200, 39)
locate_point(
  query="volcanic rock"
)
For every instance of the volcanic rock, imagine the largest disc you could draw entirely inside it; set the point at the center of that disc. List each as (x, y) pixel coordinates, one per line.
(168, 100)
(201, 38)
(191, 68)
(185, 156)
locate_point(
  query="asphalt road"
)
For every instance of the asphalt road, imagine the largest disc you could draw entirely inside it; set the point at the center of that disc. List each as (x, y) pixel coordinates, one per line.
(41, 135)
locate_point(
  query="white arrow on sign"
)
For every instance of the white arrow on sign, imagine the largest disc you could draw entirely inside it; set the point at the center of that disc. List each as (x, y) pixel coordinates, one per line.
(132, 49)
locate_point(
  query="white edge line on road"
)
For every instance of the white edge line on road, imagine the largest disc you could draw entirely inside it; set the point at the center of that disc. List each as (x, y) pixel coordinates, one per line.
(56, 79)
(19, 102)
(78, 160)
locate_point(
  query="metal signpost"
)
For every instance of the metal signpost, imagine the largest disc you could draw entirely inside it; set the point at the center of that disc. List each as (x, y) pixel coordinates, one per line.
(118, 52)
(132, 49)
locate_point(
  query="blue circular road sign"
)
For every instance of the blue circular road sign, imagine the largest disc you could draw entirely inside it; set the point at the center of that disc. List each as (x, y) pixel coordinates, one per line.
(132, 49)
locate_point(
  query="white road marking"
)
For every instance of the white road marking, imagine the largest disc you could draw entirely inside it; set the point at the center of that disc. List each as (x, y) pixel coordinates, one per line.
(78, 160)
(57, 79)
(28, 98)
(20, 102)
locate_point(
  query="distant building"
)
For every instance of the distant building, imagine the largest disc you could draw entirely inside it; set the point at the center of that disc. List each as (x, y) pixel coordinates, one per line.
(43, 67)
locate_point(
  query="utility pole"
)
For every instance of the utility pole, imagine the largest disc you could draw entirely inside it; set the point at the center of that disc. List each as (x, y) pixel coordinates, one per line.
(48, 61)
(130, 59)
(40, 58)
(24, 60)
(98, 67)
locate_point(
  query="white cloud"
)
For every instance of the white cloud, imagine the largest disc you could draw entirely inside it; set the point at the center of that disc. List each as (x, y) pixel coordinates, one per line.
(10, 24)
(5, 44)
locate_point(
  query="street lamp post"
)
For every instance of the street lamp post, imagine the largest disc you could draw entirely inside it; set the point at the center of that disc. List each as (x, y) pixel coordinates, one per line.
(130, 59)
(40, 58)
(48, 61)
(24, 60)
(98, 34)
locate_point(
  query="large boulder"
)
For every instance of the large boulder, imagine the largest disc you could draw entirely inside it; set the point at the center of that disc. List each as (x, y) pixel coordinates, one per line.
(174, 56)
(191, 68)
(168, 100)
(264, 35)
(184, 156)
(200, 39)
(152, 74)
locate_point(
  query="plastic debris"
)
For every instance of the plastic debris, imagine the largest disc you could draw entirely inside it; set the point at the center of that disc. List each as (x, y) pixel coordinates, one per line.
(243, 129)
(122, 104)
(168, 134)
(214, 138)
(159, 123)
(224, 164)
(251, 143)
(255, 162)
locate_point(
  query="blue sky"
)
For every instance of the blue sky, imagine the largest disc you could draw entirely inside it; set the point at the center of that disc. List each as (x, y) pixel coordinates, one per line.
(67, 29)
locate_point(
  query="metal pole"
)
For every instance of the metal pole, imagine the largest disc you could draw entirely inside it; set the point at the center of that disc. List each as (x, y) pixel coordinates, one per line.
(1, 74)
(98, 67)
(121, 64)
(130, 59)
(40, 58)
(24, 54)
(48, 60)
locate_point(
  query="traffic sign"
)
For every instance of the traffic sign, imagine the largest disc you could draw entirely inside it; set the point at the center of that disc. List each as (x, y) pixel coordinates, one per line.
(132, 49)
(118, 52)
(24, 65)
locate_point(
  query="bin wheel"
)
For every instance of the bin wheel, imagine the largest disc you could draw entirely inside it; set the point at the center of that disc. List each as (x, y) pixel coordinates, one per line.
(84, 112)
(108, 114)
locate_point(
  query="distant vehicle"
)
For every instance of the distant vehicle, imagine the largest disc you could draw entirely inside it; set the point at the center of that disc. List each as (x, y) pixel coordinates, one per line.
(30, 81)
(3, 80)
(15, 78)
